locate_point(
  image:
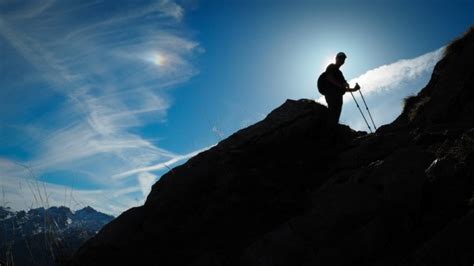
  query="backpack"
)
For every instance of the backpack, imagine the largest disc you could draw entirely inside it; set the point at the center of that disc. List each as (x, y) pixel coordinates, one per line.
(322, 84)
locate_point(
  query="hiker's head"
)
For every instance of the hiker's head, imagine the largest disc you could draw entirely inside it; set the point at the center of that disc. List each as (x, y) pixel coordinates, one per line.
(340, 58)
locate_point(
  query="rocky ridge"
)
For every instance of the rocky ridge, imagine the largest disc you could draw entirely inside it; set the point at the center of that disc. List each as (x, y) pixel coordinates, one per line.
(296, 190)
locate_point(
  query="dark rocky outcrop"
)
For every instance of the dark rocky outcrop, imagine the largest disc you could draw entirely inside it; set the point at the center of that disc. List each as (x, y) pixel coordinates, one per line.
(294, 190)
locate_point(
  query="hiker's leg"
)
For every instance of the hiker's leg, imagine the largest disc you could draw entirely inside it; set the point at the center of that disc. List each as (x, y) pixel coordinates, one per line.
(334, 105)
(338, 108)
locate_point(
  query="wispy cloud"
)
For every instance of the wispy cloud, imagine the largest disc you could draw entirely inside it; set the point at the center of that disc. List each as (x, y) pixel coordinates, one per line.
(34, 9)
(161, 166)
(146, 180)
(109, 73)
(390, 76)
(21, 188)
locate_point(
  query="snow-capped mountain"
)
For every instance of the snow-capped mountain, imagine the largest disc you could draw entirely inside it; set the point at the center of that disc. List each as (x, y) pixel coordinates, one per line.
(46, 236)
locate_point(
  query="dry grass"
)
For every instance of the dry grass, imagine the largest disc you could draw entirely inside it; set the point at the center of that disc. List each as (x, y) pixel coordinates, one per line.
(412, 105)
(51, 232)
(408, 102)
(458, 44)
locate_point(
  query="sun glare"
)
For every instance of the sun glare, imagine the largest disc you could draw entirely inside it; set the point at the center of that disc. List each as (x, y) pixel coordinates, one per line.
(327, 61)
(159, 59)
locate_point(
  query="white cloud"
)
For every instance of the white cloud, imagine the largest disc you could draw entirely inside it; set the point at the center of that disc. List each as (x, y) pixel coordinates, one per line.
(391, 76)
(158, 10)
(146, 180)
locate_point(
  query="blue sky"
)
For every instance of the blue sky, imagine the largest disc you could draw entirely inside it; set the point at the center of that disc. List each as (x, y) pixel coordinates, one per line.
(98, 99)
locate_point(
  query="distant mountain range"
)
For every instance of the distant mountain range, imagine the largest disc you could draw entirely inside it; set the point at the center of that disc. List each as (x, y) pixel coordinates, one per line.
(45, 236)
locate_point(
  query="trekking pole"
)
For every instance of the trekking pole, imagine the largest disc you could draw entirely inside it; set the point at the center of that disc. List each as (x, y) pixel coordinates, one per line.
(375, 128)
(361, 112)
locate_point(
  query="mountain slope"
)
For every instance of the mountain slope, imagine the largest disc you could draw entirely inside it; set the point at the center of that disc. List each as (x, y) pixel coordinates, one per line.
(295, 190)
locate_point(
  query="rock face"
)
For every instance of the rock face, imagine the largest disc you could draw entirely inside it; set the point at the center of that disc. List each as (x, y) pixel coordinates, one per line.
(295, 190)
(44, 236)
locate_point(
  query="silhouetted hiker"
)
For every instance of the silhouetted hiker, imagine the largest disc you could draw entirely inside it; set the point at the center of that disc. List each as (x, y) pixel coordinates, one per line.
(333, 85)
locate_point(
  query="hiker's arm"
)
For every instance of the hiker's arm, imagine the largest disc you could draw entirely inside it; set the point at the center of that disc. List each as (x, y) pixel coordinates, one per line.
(356, 88)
